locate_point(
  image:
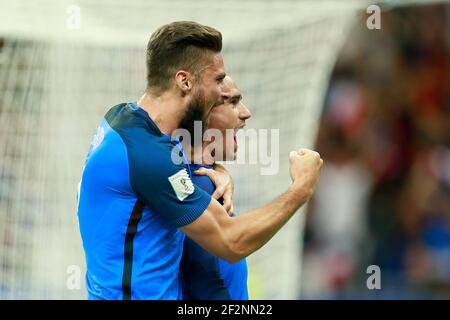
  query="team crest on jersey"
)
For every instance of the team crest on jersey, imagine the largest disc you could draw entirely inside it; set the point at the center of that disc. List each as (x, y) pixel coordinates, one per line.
(181, 184)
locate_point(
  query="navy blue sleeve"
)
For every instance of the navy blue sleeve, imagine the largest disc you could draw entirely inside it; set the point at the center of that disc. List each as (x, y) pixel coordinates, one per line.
(161, 183)
(200, 274)
(200, 271)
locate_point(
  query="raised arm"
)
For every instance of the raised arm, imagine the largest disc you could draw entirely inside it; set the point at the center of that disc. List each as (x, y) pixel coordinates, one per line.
(235, 238)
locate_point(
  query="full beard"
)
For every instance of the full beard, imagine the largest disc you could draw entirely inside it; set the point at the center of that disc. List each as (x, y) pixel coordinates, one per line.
(195, 111)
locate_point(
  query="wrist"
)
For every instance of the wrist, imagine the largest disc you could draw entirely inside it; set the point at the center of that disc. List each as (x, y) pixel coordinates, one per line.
(301, 192)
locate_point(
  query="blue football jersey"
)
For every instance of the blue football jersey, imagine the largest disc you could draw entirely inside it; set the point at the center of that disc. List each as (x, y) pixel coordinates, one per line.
(132, 199)
(206, 277)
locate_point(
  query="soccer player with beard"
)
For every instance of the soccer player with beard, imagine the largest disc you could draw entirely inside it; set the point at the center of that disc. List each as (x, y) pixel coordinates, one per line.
(135, 204)
(204, 276)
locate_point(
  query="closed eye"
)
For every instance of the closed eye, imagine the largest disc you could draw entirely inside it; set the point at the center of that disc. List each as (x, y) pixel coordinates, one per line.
(220, 77)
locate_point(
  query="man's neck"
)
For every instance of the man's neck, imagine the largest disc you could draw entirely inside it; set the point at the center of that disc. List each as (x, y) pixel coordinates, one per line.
(165, 110)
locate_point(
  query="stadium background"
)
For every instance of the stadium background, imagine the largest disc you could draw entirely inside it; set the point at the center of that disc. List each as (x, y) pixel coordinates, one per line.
(375, 103)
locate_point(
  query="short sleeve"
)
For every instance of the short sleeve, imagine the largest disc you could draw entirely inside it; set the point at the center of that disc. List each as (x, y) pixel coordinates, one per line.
(164, 185)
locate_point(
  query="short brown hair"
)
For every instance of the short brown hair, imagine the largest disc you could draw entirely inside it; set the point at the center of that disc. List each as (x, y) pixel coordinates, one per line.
(179, 45)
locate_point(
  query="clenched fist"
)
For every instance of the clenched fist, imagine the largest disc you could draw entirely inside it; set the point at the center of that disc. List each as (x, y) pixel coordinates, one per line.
(305, 168)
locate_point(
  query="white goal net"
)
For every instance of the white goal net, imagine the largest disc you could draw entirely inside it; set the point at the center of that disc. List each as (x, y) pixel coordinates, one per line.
(64, 63)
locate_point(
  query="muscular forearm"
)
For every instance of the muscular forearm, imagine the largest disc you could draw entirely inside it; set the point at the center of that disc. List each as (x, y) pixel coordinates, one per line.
(251, 230)
(235, 238)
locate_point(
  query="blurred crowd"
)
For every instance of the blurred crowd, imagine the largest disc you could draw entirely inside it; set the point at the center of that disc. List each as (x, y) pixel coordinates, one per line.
(384, 195)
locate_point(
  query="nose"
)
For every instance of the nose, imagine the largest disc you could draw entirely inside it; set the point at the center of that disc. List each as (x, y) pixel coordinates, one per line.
(244, 113)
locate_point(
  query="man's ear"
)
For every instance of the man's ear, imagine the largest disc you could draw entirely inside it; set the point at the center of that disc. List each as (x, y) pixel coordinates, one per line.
(184, 81)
